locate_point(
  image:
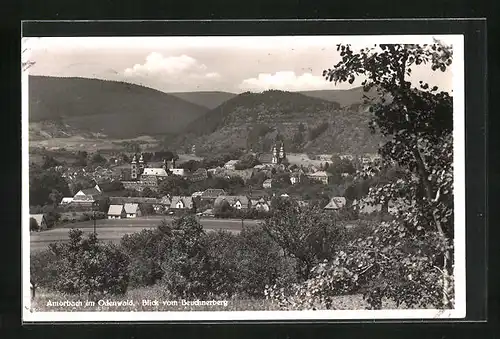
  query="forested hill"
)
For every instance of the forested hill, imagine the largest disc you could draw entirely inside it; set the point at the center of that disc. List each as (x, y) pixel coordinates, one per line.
(253, 120)
(116, 109)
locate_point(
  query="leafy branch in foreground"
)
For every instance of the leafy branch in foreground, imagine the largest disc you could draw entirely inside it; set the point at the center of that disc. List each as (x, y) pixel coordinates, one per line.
(408, 259)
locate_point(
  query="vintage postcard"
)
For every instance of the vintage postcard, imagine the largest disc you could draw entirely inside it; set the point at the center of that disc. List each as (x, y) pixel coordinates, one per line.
(243, 178)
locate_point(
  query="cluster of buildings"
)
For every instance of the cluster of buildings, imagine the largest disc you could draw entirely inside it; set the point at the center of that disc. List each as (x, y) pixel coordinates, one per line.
(142, 175)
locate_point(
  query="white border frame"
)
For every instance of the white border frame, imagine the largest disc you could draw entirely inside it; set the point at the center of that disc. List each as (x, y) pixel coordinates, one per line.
(457, 41)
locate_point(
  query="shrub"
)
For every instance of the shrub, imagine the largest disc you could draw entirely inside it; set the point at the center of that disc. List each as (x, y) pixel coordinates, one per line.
(83, 266)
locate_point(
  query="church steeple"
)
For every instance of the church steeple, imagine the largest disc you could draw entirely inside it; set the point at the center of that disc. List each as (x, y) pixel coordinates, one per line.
(275, 155)
(282, 151)
(133, 168)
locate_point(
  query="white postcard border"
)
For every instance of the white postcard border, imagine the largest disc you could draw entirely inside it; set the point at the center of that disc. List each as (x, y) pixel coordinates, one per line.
(457, 41)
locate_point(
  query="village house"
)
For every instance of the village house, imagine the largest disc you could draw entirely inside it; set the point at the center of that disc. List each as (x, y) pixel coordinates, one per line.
(116, 212)
(181, 203)
(197, 194)
(336, 203)
(296, 177)
(261, 205)
(87, 197)
(66, 200)
(268, 183)
(321, 176)
(239, 202)
(230, 165)
(132, 210)
(199, 175)
(212, 194)
(41, 221)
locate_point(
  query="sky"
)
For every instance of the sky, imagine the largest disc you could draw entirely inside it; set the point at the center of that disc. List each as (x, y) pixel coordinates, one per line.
(231, 64)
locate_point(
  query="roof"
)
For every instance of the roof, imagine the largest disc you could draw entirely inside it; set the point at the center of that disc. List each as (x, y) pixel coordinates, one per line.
(196, 194)
(155, 171)
(336, 203)
(187, 201)
(115, 209)
(131, 208)
(320, 174)
(91, 191)
(259, 201)
(132, 200)
(268, 181)
(232, 199)
(213, 193)
(165, 200)
(231, 162)
(38, 217)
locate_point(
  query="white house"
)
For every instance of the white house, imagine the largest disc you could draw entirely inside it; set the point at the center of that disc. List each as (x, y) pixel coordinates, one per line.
(132, 210)
(267, 183)
(181, 203)
(336, 203)
(230, 165)
(66, 200)
(261, 205)
(116, 212)
(239, 202)
(179, 171)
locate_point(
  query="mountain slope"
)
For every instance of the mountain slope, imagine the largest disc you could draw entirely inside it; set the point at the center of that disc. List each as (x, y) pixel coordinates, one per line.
(346, 98)
(305, 123)
(116, 109)
(207, 99)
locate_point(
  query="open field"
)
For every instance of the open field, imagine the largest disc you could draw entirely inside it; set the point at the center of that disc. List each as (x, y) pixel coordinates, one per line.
(78, 143)
(114, 229)
(40, 303)
(302, 159)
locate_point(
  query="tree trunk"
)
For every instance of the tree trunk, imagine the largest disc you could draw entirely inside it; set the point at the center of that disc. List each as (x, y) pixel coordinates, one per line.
(430, 196)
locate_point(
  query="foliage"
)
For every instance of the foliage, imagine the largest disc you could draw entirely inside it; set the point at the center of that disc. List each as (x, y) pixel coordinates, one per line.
(174, 185)
(186, 269)
(314, 132)
(247, 161)
(49, 162)
(46, 186)
(82, 266)
(97, 159)
(308, 234)
(34, 225)
(419, 123)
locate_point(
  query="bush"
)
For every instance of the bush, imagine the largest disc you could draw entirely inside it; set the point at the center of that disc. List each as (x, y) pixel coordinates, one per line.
(83, 266)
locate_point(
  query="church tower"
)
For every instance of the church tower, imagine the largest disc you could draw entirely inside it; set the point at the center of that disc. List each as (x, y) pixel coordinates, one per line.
(133, 170)
(141, 164)
(275, 155)
(282, 152)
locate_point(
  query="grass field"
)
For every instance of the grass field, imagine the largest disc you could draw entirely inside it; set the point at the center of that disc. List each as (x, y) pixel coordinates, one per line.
(78, 143)
(114, 229)
(165, 303)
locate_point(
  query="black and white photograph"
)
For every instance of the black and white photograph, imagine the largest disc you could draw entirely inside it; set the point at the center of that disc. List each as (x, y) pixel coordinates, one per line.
(180, 178)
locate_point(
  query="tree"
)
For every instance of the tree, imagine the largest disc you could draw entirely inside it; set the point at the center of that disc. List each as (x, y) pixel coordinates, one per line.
(186, 269)
(85, 266)
(46, 186)
(34, 225)
(97, 158)
(148, 193)
(173, 185)
(49, 162)
(309, 235)
(419, 123)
